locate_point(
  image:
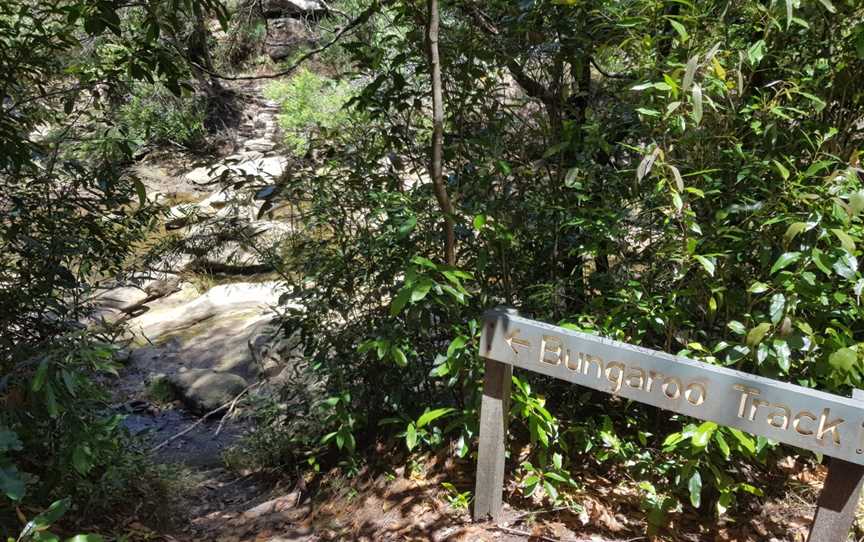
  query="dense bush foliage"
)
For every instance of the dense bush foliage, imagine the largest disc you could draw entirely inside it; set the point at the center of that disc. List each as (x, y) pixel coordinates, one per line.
(310, 103)
(677, 176)
(153, 114)
(69, 218)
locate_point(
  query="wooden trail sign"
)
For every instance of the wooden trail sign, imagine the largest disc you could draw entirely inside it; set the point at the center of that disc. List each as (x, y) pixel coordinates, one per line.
(802, 417)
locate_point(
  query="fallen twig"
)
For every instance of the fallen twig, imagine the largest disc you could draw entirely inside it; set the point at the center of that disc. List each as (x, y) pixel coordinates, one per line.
(203, 418)
(231, 410)
(520, 517)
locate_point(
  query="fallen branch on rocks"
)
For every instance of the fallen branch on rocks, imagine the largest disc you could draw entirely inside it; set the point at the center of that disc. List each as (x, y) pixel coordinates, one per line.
(203, 418)
(231, 407)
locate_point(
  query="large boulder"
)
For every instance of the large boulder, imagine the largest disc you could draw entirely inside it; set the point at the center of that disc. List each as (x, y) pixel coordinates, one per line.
(121, 298)
(112, 304)
(204, 390)
(285, 36)
(175, 314)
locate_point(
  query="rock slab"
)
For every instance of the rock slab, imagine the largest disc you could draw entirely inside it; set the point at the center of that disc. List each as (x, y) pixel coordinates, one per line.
(204, 390)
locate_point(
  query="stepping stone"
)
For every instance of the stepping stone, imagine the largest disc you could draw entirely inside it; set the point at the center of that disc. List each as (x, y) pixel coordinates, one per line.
(261, 145)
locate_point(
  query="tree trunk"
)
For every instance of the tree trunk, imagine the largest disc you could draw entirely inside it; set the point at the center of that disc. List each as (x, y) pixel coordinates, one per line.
(436, 163)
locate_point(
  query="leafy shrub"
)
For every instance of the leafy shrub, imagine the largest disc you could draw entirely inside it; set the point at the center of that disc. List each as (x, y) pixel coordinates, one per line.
(703, 201)
(155, 115)
(310, 103)
(65, 225)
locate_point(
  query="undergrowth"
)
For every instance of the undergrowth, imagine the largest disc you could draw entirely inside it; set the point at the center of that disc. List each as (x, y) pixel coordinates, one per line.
(310, 103)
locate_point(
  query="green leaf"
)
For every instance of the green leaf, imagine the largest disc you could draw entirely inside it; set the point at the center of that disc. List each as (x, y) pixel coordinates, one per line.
(695, 487)
(682, 32)
(789, 13)
(828, 5)
(846, 266)
(479, 221)
(673, 439)
(856, 201)
(456, 344)
(737, 327)
(141, 190)
(572, 175)
(679, 181)
(86, 538)
(432, 415)
(555, 476)
(753, 490)
(843, 359)
(550, 490)
(785, 260)
(744, 440)
(677, 201)
(383, 347)
(756, 52)
(11, 483)
(697, 103)
(782, 170)
(407, 227)
(821, 262)
(722, 445)
(398, 356)
(758, 288)
(783, 353)
(775, 310)
(400, 300)
(39, 377)
(529, 484)
(54, 512)
(757, 334)
(424, 262)
(793, 230)
(419, 291)
(723, 502)
(845, 240)
(703, 434)
(366, 346)
(689, 72)
(411, 436)
(706, 263)
(81, 459)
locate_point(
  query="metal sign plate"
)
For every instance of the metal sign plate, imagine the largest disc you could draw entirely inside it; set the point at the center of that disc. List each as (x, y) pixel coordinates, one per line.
(802, 417)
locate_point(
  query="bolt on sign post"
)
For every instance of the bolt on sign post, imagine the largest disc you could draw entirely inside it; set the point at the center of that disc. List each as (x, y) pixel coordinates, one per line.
(798, 416)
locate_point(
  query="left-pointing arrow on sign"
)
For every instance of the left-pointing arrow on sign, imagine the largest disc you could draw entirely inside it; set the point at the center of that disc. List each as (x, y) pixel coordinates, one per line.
(514, 341)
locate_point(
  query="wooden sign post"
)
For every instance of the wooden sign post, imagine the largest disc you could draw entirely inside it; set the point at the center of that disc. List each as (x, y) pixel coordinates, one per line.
(802, 417)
